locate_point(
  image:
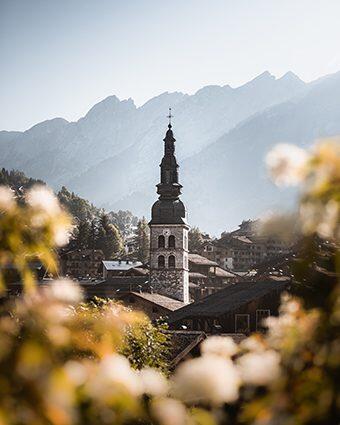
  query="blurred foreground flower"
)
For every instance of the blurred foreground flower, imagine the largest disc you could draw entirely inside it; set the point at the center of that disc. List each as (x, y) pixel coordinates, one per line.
(30, 231)
(319, 173)
(154, 383)
(7, 200)
(259, 368)
(65, 291)
(287, 164)
(168, 411)
(209, 379)
(219, 345)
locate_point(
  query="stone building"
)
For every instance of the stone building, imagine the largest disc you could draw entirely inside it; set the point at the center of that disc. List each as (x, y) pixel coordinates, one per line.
(82, 263)
(169, 265)
(243, 248)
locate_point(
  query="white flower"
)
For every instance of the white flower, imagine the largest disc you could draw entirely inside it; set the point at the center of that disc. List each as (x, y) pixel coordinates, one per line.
(61, 234)
(76, 372)
(168, 411)
(209, 379)
(220, 345)
(289, 305)
(259, 368)
(43, 199)
(7, 200)
(65, 291)
(278, 328)
(252, 343)
(330, 220)
(320, 218)
(115, 374)
(154, 383)
(286, 164)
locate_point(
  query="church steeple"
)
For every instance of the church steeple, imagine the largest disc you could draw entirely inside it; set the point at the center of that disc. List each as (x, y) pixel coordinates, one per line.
(169, 186)
(169, 209)
(169, 264)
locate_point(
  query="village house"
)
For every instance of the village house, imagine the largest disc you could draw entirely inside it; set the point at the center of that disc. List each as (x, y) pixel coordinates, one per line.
(113, 268)
(243, 248)
(207, 277)
(153, 305)
(81, 263)
(239, 308)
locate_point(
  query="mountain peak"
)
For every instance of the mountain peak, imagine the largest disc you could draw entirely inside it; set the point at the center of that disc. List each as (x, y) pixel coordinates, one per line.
(290, 76)
(264, 77)
(109, 105)
(48, 125)
(210, 89)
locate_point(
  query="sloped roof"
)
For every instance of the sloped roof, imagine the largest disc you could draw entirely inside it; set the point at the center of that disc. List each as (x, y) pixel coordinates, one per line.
(197, 275)
(228, 299)
(219, 272)
(120, 264)
(115, 286)
(140, 270)
(161, 300)
(244, 239)
(184, 341)
(199, 260)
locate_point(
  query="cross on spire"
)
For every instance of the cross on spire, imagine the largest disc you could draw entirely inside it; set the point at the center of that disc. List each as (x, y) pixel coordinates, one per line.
(170, 116)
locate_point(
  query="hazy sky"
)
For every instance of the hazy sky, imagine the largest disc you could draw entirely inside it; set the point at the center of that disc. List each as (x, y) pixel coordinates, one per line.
(59, 57)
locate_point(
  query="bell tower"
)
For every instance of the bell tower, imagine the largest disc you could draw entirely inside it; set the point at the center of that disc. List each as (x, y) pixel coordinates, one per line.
(169, 265)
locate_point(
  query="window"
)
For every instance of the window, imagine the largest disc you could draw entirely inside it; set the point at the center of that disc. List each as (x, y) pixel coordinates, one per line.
(171, 241)
(161, 241)
(172, 262)
(242, 323)
(260, 316)
(161, 262)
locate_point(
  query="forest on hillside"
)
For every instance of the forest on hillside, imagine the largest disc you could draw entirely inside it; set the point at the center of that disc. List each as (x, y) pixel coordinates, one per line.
(93, 227)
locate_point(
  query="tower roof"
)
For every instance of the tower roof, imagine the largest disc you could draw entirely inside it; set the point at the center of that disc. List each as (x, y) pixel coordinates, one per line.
(169, 209)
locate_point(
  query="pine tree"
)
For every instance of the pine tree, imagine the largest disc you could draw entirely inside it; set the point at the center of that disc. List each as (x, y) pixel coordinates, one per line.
(195, 240)
(109, 239)
(142, 239)
(83, 233)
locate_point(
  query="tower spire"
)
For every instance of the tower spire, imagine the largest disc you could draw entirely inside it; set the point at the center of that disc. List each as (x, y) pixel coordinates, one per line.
(169, 117)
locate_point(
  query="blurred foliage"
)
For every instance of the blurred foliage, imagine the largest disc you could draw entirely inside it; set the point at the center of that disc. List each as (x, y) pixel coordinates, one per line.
(147, 345)
(30, 231)
(65, 362)
(143, 343)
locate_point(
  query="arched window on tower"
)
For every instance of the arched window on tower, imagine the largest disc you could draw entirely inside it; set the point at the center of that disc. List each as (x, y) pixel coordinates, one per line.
(172, 262)
(161, 241)
(171, 241)
(161, 262)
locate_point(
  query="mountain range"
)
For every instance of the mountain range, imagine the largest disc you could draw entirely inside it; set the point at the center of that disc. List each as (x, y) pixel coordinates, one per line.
(111, 155)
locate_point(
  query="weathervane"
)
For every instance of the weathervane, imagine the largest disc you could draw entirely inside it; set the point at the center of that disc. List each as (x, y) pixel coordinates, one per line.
(170, 116)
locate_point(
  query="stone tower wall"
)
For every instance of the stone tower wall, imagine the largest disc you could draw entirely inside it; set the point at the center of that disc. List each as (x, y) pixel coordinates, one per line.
(172, 282)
